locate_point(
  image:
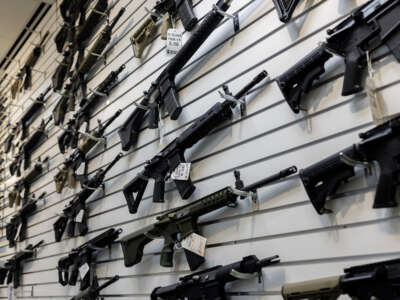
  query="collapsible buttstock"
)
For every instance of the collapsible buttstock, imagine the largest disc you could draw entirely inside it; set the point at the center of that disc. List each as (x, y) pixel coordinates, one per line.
(137, 185)
(132, 247)
(185, 12)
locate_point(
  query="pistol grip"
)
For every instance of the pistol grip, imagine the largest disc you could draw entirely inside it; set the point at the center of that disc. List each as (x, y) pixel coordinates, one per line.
(185, 11)
(63, 277)
(83, 227)
(185, 188)
(71, 228)
(159, 188)
(154, 115)
(353, 74)
(167, 254)
(59, 228)
(385, 195)
(137, 185)
(16, 277)
(166, 24)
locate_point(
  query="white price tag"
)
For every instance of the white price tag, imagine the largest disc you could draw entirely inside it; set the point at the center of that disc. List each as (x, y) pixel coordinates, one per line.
(79, 216)
(195, 243)
(181, 172)
(83, 270)
(174, 40)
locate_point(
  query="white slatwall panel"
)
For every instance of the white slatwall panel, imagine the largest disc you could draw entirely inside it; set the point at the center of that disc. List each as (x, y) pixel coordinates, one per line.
(270, 138)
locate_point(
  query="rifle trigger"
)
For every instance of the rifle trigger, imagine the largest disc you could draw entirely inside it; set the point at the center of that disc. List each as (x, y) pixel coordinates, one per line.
(240, 275)
(355, 163)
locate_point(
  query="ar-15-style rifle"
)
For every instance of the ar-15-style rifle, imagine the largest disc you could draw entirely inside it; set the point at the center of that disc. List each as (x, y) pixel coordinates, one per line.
(380, 144)
(30, 114)
(93, 291)
(62, 70)
(14, 197)
(68, 266)
(75, 214)
(165, 162)
(163, 92)
(27, 148)
(371, 281)
(210, 283)
(31, 62)
(70, 136)
(66, 174)
(16, 228)
(93, 56)
(164, 10)
(178, 224)
(13, 267)
(372, 25)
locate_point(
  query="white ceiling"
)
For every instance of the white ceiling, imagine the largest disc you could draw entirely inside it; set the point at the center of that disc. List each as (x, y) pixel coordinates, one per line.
(14, 15)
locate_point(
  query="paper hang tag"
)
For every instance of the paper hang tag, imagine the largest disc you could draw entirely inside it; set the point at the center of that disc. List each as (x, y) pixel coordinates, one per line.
(18, 232)
(79, 216)
(83, 270)
(375, 102)
(174, 40)
(182, 172)
(195, 243)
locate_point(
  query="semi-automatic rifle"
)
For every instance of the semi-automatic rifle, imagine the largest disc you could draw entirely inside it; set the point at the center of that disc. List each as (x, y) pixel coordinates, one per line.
(371, 26)
(24, 184)
(75, 214)
(93, 291)
(379, 145)
(165, 162)
(67, 175)
(62, 70)
(12, 268)
(210, 283)
(68, 266)
(31, 113)
(78, 80)
(70, 136)
(164, 10)
(8, 141)
(31, 62)
(371, 281)
(163, 92)
(27, 148)
(178, 224)
(16, 228)
(61, 107)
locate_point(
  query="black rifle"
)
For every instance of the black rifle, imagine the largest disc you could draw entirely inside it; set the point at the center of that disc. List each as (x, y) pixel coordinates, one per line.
(29, 115)
(68, 266)
(163, 92)
(61, 107)
(165, 10)
(210, 283)
(172, 155)
(8, 142)
(380, 144)
(93, 291)
(16, 228)
(93, 56)
(27, 148)
(372, 25)
(62, 70)
(66, 174)
(75, 214)
(371, 281)
(13, 267)
(31, 62)
(14, 197)
(70, 136)
(285, 9)
(181, 222)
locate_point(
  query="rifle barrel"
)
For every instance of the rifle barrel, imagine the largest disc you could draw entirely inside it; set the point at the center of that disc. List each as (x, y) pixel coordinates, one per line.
(268, 180)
